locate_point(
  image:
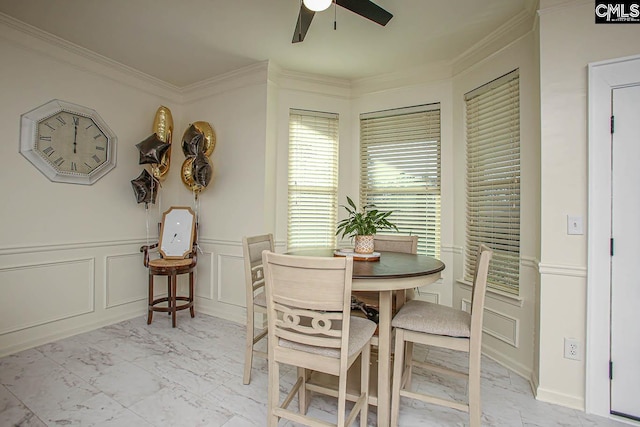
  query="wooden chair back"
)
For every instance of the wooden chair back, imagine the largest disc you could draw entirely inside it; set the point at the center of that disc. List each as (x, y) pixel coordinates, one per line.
(308, 304)
(478, 296)
(252, 248)
(395, 243)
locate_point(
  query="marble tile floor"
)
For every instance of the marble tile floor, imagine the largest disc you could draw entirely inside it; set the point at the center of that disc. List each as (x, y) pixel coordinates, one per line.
(134, 374)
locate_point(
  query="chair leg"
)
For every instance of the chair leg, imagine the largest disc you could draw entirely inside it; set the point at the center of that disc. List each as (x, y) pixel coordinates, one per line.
(274, 393)
(303, 393)
(172, 301)
(169, 295)
(342, 399)
(248, 347)
(150, 314)
(475, 408)
(365, 359)
(408, 365)
(191, 309)
(398, 364)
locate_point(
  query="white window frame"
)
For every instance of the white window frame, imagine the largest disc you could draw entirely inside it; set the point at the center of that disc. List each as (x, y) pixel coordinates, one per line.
(400, 160)
(312, 179)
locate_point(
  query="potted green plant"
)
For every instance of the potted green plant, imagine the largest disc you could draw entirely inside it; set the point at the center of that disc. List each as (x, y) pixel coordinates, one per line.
(363, 224)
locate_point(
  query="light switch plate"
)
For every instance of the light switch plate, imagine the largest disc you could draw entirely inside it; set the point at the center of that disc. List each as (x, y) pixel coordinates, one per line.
(574, 225)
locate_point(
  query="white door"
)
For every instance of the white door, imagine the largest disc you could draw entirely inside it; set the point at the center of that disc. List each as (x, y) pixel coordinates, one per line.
(625, 262)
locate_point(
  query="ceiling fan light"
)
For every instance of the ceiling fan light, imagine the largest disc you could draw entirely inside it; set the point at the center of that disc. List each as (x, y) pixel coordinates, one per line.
(317, 5)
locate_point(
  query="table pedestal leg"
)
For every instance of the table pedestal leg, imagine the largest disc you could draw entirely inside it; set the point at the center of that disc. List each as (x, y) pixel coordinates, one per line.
(384, 358)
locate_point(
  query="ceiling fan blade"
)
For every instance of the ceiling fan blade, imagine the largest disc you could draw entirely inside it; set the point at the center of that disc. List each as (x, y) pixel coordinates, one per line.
(302, 24)
(367, 9)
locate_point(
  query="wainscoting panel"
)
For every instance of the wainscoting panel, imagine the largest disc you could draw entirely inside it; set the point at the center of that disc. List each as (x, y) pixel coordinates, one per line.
(498, 325)
(37, 294)
(427, 296)
(231, 280)
(204, 276)
(126, 281)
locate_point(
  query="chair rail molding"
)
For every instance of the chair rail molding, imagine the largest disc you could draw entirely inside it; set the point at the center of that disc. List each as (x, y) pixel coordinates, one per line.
(562, 270)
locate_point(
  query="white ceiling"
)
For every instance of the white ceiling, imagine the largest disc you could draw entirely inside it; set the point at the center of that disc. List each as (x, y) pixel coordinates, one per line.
(186, 41)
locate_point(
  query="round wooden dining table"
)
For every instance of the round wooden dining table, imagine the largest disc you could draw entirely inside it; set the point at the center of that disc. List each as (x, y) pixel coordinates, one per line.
(393, 274)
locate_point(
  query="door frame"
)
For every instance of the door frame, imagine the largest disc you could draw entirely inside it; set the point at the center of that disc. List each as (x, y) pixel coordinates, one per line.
(604, 76)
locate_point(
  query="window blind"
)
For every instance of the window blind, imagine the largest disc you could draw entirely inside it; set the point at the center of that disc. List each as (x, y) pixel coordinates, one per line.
(493, 179)
(400, 170)
(312, 179)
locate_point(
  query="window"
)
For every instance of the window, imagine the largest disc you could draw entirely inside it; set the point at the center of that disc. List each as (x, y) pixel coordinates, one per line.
(313, 179)
(493, 179)
(400, 170)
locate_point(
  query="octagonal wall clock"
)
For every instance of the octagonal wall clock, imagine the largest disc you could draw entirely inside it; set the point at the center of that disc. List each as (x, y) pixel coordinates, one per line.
(68, 142)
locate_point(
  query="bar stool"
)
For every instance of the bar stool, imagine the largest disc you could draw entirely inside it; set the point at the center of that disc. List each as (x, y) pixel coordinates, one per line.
(178, 255)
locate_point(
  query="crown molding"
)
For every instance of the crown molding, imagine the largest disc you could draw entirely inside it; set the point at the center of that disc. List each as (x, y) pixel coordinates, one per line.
(79, 57)
(520, 25)
(432, 72)
(254, 74)
(553, 6)
(309, 82)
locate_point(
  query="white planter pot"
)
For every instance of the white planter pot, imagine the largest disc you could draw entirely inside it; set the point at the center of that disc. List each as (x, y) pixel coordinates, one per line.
(364, 244)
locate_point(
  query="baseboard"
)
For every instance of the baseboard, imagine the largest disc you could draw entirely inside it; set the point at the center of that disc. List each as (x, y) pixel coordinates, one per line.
(507, 362)
(231, 314)
(562, 399)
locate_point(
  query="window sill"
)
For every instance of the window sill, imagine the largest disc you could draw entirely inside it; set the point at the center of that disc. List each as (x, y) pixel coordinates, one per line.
(515, 300)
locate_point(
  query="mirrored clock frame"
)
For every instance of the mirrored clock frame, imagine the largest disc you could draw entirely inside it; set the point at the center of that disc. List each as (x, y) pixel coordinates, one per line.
(177, 233)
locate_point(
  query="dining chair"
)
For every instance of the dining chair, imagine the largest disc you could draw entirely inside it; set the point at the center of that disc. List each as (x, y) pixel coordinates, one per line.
(389, 243)
(256, 300)
(422, 322)
(311, 327)
(177, 254)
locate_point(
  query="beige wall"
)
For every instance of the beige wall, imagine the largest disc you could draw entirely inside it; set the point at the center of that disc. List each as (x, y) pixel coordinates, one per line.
(569, 41)
(509, 322)
(69, 254)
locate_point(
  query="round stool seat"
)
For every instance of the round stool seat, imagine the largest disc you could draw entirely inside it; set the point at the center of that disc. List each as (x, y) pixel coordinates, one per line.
(170, 263)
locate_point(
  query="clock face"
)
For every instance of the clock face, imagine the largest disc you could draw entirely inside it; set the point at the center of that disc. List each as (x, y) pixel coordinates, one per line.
(72, 143)
(68, 142)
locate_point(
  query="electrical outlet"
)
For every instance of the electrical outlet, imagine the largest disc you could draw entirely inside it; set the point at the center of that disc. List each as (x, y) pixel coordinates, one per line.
(572, 349)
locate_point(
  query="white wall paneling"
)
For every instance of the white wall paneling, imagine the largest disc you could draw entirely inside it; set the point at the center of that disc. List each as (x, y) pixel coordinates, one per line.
(125, 281)
(220, 280)
(204, 284)
(36, 294)
(497, 324)
(231, 281)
